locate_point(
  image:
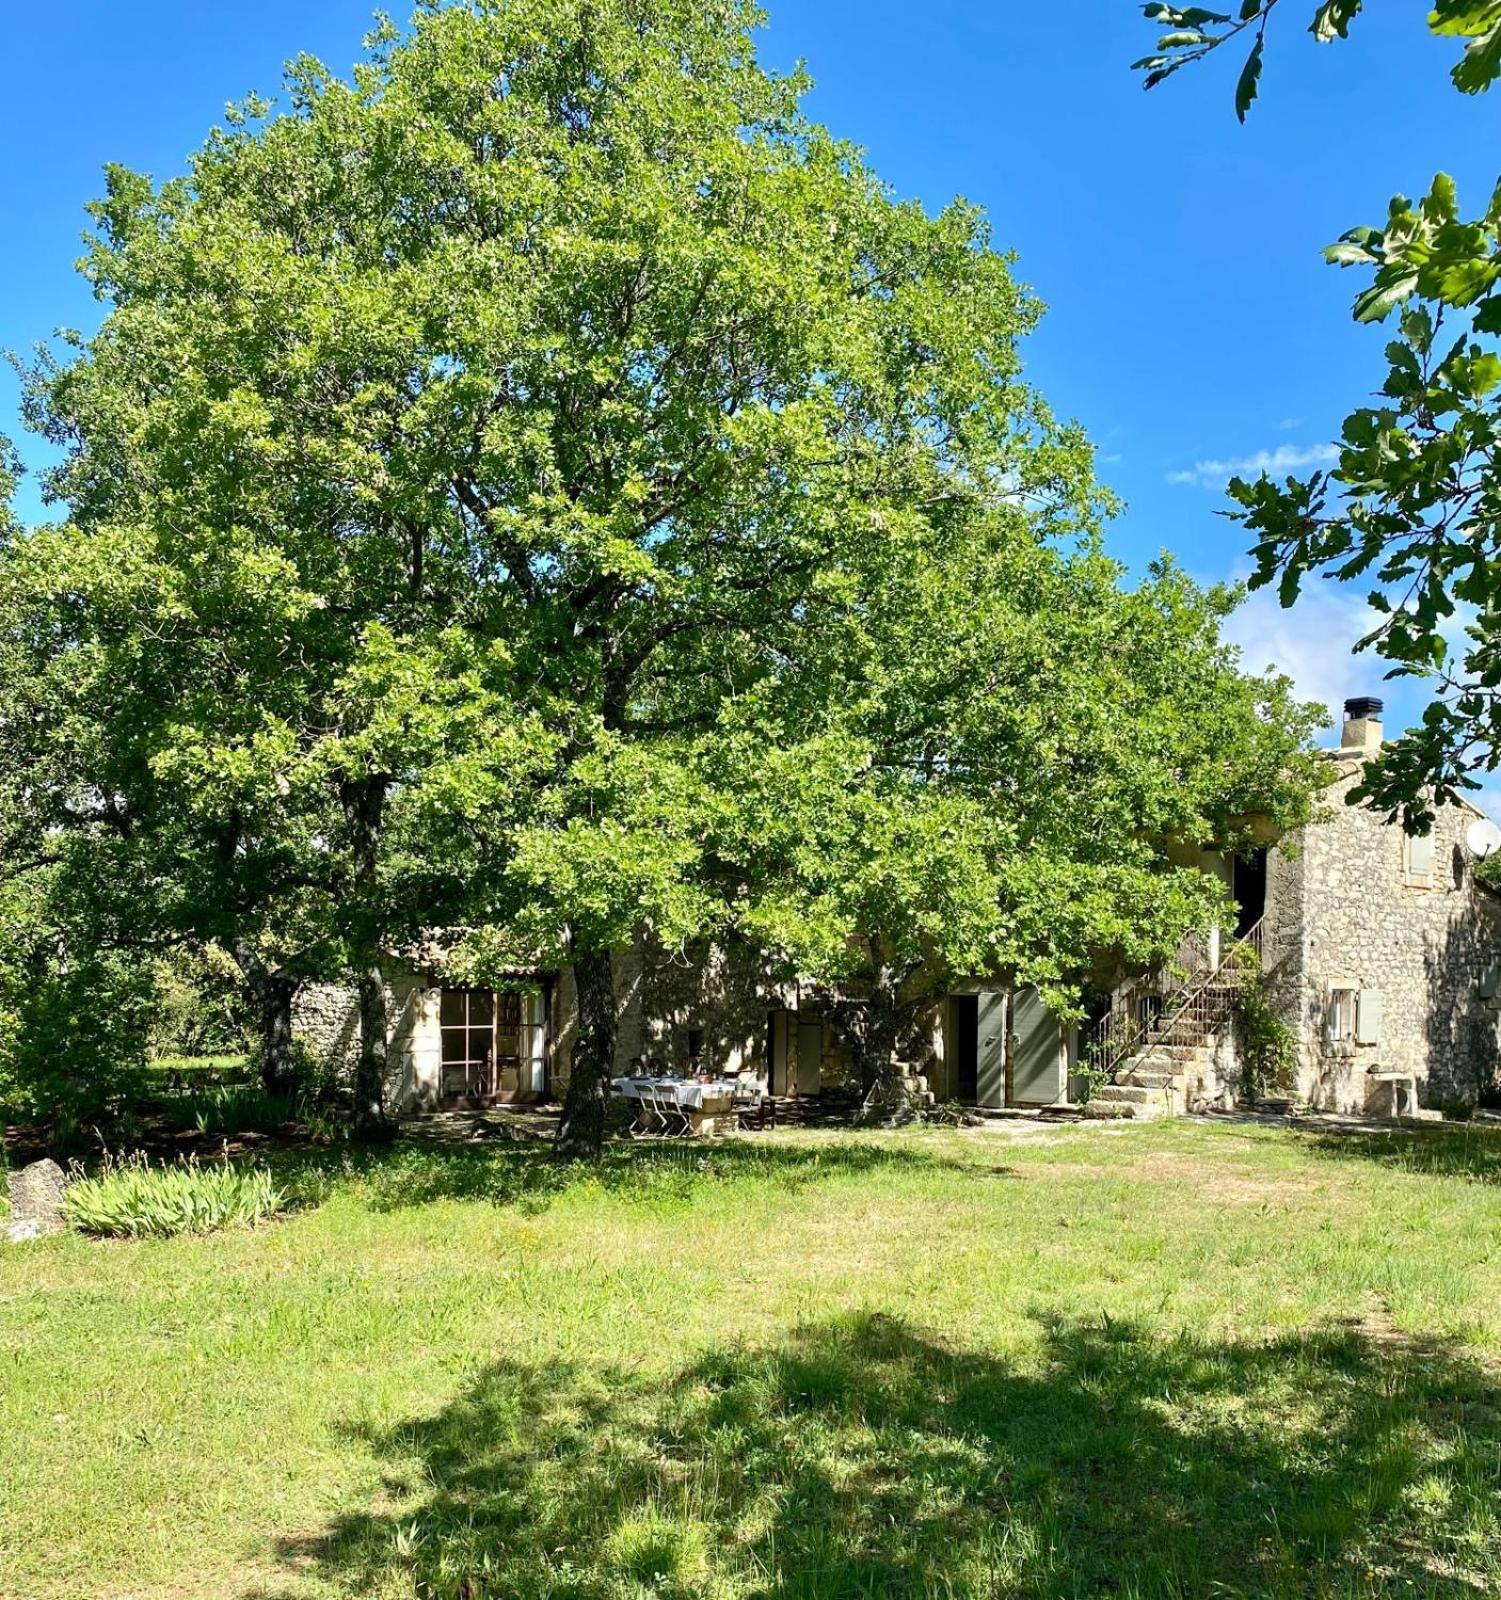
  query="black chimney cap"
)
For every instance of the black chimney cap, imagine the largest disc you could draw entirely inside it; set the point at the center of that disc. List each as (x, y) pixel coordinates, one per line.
(1363, 706)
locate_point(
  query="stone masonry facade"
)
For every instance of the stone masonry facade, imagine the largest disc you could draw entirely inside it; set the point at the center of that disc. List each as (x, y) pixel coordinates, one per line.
(1381, 951)
(671, 1004)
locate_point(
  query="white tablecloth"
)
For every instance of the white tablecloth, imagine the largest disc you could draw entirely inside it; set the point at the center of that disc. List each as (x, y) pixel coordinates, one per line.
(685, 1093)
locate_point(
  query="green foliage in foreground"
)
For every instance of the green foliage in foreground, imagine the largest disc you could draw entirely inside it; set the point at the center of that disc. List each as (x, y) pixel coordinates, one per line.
(131, 1199)
(1194, 32)
(1166, 1362)
(1412, 506)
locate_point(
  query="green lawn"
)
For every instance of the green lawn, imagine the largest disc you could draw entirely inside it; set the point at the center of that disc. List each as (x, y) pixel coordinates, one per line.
(1169, 1360)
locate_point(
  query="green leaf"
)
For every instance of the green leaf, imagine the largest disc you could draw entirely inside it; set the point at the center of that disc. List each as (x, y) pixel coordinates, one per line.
(1345, 254)
(1464, 18)
(1332, 20)
(1250, 79)
(1441, 202)
(1382, 298)
(1481, 64)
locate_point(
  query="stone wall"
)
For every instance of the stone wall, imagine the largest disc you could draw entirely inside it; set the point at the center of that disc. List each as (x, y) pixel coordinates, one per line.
(1344, 911)
(664, 998)
(326, 1023)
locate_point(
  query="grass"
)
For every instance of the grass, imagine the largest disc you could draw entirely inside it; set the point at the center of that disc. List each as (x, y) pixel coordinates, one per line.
(236, 1066)
(1166, 1361)
(229, 1108)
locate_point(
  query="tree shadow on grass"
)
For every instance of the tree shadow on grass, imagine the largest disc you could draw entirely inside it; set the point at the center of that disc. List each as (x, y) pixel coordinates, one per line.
(529, 1176)
(1448, 1150)
(862, 1457)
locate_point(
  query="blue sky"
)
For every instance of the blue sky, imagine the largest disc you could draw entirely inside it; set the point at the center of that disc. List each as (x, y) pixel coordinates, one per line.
(1191, 320)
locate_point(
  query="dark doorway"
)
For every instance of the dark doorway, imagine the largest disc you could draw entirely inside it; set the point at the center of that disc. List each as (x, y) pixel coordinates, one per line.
(964, 1084)
(1249, 888)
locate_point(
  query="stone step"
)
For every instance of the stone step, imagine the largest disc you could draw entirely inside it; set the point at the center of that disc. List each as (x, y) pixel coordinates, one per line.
(1126, 1094)
(1097, 1110)
(1154, 1078)
(1174, 1060)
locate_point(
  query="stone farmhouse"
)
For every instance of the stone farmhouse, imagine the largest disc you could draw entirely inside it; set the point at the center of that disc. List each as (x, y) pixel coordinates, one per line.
(1381, 951)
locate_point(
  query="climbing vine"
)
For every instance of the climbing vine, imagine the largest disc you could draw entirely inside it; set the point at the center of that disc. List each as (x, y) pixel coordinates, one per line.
(1268, 1047)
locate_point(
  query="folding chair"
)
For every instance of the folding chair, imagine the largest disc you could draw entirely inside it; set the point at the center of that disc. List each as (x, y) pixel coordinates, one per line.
(676, 1123)
(648, 1111)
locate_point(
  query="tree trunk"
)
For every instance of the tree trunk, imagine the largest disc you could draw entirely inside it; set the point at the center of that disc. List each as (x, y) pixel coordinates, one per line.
(274, 1017)
(364, 807)
(270, 995)
(370, 1121)
(884, 1033)
(582, 1130)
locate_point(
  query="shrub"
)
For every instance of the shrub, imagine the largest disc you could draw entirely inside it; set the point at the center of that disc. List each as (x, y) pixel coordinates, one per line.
(131, 1199)
(1268, 1046)
(72, 1040)
(199, 1006)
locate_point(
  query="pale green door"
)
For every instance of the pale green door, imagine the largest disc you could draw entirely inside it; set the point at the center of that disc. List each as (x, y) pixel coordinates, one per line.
(1039, 1063)
(990, 1077)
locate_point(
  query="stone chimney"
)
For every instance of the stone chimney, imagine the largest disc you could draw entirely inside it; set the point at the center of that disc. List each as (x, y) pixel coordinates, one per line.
(1361, 734)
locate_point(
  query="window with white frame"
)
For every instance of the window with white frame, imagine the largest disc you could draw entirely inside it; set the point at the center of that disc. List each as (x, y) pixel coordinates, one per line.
(1353, 1015)
(1342, 1014)
(1418, 850)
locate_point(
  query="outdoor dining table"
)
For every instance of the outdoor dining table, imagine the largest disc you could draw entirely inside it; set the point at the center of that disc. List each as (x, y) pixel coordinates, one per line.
(693, 1096)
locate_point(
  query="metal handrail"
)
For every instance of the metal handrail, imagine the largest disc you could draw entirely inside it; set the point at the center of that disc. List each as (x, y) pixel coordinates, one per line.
(1106, 1053)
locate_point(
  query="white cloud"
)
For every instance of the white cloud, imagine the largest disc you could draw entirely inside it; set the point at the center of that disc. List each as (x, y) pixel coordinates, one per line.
(1312, 642)
(1284, 459)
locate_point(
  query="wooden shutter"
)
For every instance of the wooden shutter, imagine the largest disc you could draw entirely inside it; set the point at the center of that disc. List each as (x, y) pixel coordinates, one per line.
(1420, 855)
(1368, 1017)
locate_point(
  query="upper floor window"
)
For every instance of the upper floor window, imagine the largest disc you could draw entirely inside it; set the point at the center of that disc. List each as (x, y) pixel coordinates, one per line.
(1418, 853)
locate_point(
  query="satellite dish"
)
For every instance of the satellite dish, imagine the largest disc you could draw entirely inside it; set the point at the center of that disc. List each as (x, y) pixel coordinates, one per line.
(1483, 838)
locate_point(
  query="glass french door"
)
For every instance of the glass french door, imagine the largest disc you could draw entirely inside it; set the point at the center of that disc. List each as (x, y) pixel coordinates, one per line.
(467, 1018)
(493, 1044)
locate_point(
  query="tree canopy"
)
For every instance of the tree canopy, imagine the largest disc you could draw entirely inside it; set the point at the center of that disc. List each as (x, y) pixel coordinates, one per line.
(1012, 779)
(491, 469)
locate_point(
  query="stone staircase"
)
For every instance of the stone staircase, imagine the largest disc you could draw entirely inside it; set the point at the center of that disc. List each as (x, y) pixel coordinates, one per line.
(1147, 1061)
(1150, 1086)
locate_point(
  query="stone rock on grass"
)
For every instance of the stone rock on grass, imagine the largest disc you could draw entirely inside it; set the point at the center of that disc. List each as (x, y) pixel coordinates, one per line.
(36, 1201)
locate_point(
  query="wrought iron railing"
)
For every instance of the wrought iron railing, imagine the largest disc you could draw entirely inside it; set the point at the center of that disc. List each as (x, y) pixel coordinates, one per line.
(1184, 1003)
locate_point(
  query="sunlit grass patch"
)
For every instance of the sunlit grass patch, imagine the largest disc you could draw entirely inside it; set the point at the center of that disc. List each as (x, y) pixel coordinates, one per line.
(1169, 1361)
